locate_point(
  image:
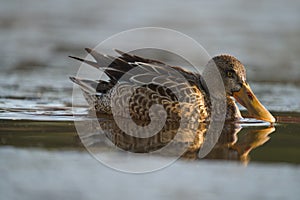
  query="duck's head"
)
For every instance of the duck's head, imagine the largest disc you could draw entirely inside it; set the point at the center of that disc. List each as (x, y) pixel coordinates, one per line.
(233, 74)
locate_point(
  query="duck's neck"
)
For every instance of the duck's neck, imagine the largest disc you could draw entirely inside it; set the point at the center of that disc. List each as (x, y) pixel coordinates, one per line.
(233, 113)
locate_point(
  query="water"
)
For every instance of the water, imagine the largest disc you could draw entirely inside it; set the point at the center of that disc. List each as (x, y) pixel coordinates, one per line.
(41, 153)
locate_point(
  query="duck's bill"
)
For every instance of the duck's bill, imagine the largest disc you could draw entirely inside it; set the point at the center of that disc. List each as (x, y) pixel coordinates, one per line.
(255, 109)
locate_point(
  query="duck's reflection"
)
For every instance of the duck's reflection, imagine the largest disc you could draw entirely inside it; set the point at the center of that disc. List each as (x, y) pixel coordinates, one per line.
(186, 140)
(235, 143)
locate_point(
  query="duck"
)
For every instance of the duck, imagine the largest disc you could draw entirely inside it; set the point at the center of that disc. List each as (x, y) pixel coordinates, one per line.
(134, 84)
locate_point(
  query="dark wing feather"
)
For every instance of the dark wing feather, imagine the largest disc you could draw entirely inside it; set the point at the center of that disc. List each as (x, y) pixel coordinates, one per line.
(134, 58)
(94, 64)
(193, 78)
(115, 68)
(92, 86)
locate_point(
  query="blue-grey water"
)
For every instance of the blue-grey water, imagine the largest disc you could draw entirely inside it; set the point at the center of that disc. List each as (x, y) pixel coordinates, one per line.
(40, 154)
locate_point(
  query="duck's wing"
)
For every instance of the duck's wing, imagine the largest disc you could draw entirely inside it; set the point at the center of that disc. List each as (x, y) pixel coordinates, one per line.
(191, 77)
(116, 67)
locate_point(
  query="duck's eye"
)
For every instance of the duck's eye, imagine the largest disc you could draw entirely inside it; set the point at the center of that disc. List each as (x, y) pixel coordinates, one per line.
(229, 74)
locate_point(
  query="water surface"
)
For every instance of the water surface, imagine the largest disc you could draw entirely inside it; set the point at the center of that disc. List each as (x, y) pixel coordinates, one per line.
(42, 156)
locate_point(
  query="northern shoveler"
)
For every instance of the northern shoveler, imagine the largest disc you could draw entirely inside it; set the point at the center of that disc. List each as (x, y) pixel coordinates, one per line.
(153, 82)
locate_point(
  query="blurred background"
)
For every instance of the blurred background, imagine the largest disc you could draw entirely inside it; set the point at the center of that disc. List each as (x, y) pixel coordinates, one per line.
(36, 38)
